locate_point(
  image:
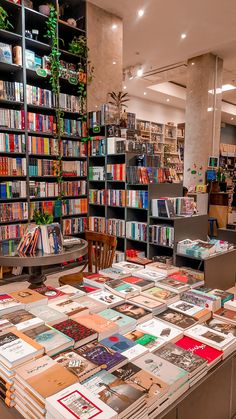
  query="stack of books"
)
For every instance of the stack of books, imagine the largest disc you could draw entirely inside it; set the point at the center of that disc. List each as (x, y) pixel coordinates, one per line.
(16, 211)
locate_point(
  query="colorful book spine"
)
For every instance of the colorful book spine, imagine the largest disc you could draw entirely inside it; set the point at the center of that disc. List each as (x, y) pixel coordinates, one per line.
(12, 231)
(116, 198)
(116, 172)
(12, 167)
(14, 189)
(12, 143)
(97, 196)
(12, 91)
(136, 230)
(41, 167)
(74, 188)
(162, 234)
(10, 118)
(74, 225)
(96, 173)
(137, 199)
(40, 123)
(38, 96)
(43, 145)
(116, 227)
(97, 224)
(70, 148)
(43, 189)
(97, 146)
(75, 206)
(13, 211)
(43, 206)
(74, 168)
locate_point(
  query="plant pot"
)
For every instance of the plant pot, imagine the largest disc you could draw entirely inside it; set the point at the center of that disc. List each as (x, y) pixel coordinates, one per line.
(44, 9)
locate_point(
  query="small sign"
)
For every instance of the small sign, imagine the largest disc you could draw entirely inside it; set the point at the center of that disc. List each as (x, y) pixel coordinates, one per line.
(73, 80)
(96, 129)
(41, 72)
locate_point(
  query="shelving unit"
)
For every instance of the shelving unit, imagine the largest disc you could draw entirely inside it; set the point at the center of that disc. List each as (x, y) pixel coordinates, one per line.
(24, 18)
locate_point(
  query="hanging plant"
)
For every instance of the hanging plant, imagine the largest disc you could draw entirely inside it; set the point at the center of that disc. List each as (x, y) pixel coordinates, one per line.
(78, 46)
(4, 22)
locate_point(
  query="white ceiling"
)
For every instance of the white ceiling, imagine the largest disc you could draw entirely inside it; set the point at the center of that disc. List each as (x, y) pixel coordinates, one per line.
(154, 40)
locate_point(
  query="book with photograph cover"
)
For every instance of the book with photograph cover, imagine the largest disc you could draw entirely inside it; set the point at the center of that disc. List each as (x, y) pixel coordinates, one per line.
(210, 337)
(122, 289)
(121, 320)
(142, 284)
(22, 319)
(71, 292)
(107, 298)
(177, 319)
(186, 308)
(75, 363)
(172, 285)
(9, 304)
(69, 307)
(221, 326)
(138, 313)
(149, 341)
(161, 294)
(226, 315)
(96, 280)
(203, 350)
(148, 303)
(29, 298)
(50, 292)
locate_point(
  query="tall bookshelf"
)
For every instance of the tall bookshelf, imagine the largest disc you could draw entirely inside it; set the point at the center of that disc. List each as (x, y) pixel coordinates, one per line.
(40, 150)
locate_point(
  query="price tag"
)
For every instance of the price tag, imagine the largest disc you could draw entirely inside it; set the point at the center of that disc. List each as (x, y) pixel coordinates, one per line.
(73, 80)
(41, 72)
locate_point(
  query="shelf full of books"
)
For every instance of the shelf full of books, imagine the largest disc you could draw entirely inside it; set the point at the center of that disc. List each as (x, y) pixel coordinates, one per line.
(29, 149)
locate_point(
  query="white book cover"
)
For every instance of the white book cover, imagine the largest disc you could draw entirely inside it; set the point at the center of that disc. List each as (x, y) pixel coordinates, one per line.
(186, 308)
(68, 307)
(77, 402)
(13, 348)
(230, 305)
(211, 337)
(107, 298)
(71, 292)
(150, 274)
(8, 304)
(160, 329)
(48, 314)
(128, 266)
(135, 352)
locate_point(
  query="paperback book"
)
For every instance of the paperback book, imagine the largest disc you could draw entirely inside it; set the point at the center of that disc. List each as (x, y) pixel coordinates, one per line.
(122, 289)
(114, 273)
(48, 314)
(150, 342)
(162, 330)
(22, 319)
(29, 298)
(123, 322)
(226, 315)
(161, 294)
(148, 303)
(211, 337)
(101, 324)
(150, 274)
(71, 292)
(96, 280)
(172, 285)
(81, 367)
(107, 298)
(100, 355)
(179, 320)
(118, 343)
(203, 350)
(9, 304)
(222, 326)
(138, 313)
(69, 307)
(76, 331)
(140, 283)
(127, 266)
(50, 292)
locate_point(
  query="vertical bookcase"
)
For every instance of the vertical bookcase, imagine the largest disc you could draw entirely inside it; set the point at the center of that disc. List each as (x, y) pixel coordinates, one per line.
(41, 149)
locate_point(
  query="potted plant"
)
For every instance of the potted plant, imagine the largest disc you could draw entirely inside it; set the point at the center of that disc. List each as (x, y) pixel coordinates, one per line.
(42, 217)
(4, 22)
(118, 100)
(78, 46)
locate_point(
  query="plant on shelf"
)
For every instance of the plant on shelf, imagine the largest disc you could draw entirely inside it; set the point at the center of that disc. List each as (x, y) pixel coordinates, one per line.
(118, 100)
(78, 46)
(42, 218)
(4, 22)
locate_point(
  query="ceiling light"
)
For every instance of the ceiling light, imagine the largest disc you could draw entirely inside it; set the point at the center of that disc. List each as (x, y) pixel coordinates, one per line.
(225, 88)
(139, 72)
(113, 62)
(167, 100)
(125, 87)
(140, 12)
(193, 63)
(114, 27)
(183, 35)
(232, 119)
(144, 93)
(210, 109)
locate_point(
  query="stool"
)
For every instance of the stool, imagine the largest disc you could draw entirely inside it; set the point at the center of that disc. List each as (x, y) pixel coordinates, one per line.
(71, 279)
(212, 221)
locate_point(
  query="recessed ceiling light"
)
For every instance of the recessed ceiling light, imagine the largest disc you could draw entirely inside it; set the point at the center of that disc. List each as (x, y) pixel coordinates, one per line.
(167, 100)
(114, 27)
(139, 72)
(210, 109)
(192, 63)
(140, 12)
(224, 88)
(113, 62)
(183, 35)
(125, 87)
(144, 93)
(232, 119)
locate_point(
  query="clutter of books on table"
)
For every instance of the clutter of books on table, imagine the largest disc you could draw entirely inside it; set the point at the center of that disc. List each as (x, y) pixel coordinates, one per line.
(127, 342)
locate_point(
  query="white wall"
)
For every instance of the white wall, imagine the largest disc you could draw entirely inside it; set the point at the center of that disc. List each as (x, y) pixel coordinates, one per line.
(155, 112)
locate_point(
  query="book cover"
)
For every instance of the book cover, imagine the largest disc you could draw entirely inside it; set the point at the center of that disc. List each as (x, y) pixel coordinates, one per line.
(8, 303)
(201, 349)
(139, 282)
(45, 376)
(186, 308)
(98, 323)
(156, 327)
(211, 337)
(116, 393)
(224, 295)
(226, 314)
(75, 363)
(160, 294)
(22, 319)
(29, 297)
(107, 298)
(5, 325)
(150, 274)
(221, 326)
(118, 318)
(122, 288)
(96, 279)
(147, 302)
(50, 292)
(127, 266)
(69, 307)
(48, 314)
(117, 343)
(182, 358)
(149, 341)
(49, 338)
(114, 273)
(135, 352)
(71, 292)
(230, 305)
(131, 310)
(100, 355)
(172, 284)
(75, 330)
(176, 318)
(15, 348)
(93, 305)
(77, 402)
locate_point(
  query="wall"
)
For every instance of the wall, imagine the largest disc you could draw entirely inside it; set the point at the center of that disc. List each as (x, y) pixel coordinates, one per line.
(228, 134)
(155, 112)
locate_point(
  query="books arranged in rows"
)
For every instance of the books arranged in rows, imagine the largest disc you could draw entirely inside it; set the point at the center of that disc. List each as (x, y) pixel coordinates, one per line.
(136, 230)
(12, 231)
(116, 172)
(170, 207)
(117, 145)
(15, 211)
(10, 118)
(162, 234)
(12, 91)
(74, 168)
(10, 54)
(12, 189)
(40, 123)
(97, 196)
(97, 224)
(75, 206)
(96, 173)
(41, 167)
(12, 143)
(74, 187)
(45, 206)
(69, 103)
(146, 175)
(76, 225)
(44, 97)
(46, 237)
(73, 127)
(43, 189)
(137, 199)
(202, 249)
(116, 197)
(12, 166)
(43, 145)
(70, 148)
(97, 146)
(116, 227)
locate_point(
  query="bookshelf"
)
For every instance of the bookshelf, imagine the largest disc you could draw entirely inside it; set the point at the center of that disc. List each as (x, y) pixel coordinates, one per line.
(29, 149)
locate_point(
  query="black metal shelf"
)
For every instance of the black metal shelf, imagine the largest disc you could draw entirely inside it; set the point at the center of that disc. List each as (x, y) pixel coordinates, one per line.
(10, 36)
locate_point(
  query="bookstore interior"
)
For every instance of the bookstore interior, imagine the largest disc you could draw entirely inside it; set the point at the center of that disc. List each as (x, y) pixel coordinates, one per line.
(117, 209)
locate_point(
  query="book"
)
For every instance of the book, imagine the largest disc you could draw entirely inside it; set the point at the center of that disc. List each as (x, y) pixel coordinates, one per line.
(149, 341)
(224, 295)
(103, 326)
(212, 338)
(118, 343)
(78, 402)
(22, 319)
(114, 273)
(107, 298)
(135, 352)
(163, 268)
(69, 307)
(161, 294)
(116, 393)
(100, 355)
(9, 304)
(203, 350)
(170, 374)
(221, 326)
(150, 274)
(52, 340)
(29, 298)
(16, 348)
(192, 277)
(71, 292)
(96, 280)
(44, 377)
(230, 305)
(48, 314)
(127, 266)
(172, 285)
(123, 322)
(179, 320)
(140, 283)
(51, 238)
(6, 325)
(226, 315)
(92, 304)
(82, 368)
(138, 313)
(76, 331)
(122, 289)
(182, 358)
(148, 303)
(50, 292)
(161, 330)
(195, 297)
(186, 308)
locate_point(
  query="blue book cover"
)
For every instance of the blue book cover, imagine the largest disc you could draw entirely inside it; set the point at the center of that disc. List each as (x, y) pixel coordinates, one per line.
(118, 343)
(120, 319)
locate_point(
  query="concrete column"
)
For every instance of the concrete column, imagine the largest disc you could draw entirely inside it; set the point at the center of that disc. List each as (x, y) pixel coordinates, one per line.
(105, 42)
(203, 116)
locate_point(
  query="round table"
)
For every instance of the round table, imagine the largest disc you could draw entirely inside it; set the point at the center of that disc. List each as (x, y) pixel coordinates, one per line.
(10, 257)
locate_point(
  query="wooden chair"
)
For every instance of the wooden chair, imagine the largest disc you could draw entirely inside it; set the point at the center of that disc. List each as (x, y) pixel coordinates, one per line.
(101, 252)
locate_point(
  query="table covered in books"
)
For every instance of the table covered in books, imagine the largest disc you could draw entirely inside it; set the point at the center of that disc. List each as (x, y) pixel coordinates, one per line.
(10, 256)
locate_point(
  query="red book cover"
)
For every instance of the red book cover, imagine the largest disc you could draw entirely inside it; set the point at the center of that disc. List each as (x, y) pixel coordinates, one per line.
(22, 120)
(180, 277)
(199, 348)
(98, 278)
(49, 292)
(11, 143)
(74, 330)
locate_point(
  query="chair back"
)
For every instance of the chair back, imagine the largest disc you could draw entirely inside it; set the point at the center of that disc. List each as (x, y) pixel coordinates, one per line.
(101, 250)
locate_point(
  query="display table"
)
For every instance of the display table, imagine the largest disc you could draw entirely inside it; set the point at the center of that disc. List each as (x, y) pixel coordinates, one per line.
(227, 234)
(10, 257)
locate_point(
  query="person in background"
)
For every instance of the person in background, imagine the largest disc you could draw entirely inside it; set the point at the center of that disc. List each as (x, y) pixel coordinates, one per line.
(185, 191)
